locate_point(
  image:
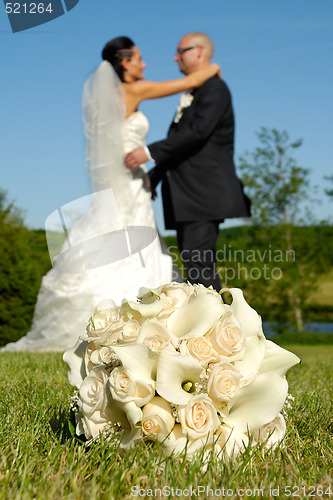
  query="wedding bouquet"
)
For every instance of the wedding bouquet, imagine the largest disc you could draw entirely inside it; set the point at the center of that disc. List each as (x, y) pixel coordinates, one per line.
(180, 367)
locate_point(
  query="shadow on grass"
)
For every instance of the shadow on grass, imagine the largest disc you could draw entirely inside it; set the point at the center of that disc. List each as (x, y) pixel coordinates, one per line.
(62, 424)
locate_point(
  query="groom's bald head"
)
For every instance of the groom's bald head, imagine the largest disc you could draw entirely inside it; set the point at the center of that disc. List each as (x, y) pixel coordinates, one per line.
(194, 51)
(203, 40)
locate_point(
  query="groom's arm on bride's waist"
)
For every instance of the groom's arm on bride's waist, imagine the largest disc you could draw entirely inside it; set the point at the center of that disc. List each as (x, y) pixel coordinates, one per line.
(209, 104)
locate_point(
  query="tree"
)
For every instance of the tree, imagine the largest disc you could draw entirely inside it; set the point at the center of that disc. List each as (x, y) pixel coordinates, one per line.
(23, 260)
(274, 181)
(329, 192)
(278, 187)
(9, 213)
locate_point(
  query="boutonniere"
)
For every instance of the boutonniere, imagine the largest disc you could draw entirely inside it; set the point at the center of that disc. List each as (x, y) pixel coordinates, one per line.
(185, 101)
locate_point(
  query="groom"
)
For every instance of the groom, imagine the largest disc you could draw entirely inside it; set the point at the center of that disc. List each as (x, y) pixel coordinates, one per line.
(200, 188)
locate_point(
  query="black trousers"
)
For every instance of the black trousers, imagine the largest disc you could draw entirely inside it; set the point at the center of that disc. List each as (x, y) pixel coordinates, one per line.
(196, 242)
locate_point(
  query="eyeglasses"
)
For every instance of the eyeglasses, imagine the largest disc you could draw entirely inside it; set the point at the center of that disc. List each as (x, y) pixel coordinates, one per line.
(180, 52)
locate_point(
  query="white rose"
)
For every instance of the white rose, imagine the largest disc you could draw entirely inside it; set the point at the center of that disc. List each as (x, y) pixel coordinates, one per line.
(94, 410)
(200, 289)
(125, 327)
(200, 348)
(97, 355)
(85, 426)
(223, 383)
(177, 295)
(199, 417)
(156, 336)
(92, 394)
(105, 313)
(157, 418)
(125, 389)
(272, 433)
(180, 292)
(169, 308)
(227, 338)
(156, 343)
(101, 321)
(130, 331)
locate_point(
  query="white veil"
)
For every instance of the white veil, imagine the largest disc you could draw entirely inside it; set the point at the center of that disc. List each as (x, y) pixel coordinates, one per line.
(103, 109)
(91, 224)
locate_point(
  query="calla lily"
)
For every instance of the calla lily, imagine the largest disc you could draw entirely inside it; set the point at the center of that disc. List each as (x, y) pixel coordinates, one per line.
(176, 377)
(254, 356)
(195, 446)
(251, 326)
(249, 319)
(176, 442)
(151, 309)
(231, 441)
(258, 403)
(134, 417)
(74, 358)
(138, 359)
(277, 359)
(148, 295)
(196, 317)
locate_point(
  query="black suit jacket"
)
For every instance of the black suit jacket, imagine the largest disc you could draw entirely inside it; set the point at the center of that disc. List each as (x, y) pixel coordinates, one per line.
(195, 161)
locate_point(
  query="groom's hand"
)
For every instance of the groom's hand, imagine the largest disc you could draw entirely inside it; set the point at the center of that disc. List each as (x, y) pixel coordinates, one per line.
(135, 158)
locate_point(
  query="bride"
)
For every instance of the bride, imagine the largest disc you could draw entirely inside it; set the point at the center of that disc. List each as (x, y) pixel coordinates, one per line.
(111, 249)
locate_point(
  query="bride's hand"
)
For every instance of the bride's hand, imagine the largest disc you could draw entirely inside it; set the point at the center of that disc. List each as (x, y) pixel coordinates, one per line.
(218, 70)
(135, 158)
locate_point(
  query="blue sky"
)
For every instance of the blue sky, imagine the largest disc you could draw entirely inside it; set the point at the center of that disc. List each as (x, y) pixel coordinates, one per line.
(276, 58)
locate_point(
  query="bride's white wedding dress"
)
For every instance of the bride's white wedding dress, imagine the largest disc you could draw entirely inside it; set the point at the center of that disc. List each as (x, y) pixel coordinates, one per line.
(110, 252)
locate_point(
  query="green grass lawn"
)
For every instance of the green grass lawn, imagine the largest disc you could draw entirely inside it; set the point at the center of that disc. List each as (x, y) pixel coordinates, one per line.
(40, 460)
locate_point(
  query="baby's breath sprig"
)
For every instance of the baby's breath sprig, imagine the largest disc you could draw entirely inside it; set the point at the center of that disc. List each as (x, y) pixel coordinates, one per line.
(74, 402)
(288, 406)
(175, 412)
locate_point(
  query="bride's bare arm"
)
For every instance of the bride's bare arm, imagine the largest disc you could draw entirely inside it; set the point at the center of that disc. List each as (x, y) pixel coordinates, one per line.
(143, 90)
(139, 91)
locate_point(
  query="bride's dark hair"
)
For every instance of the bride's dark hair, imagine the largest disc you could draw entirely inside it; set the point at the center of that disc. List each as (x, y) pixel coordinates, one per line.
(117, 50)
